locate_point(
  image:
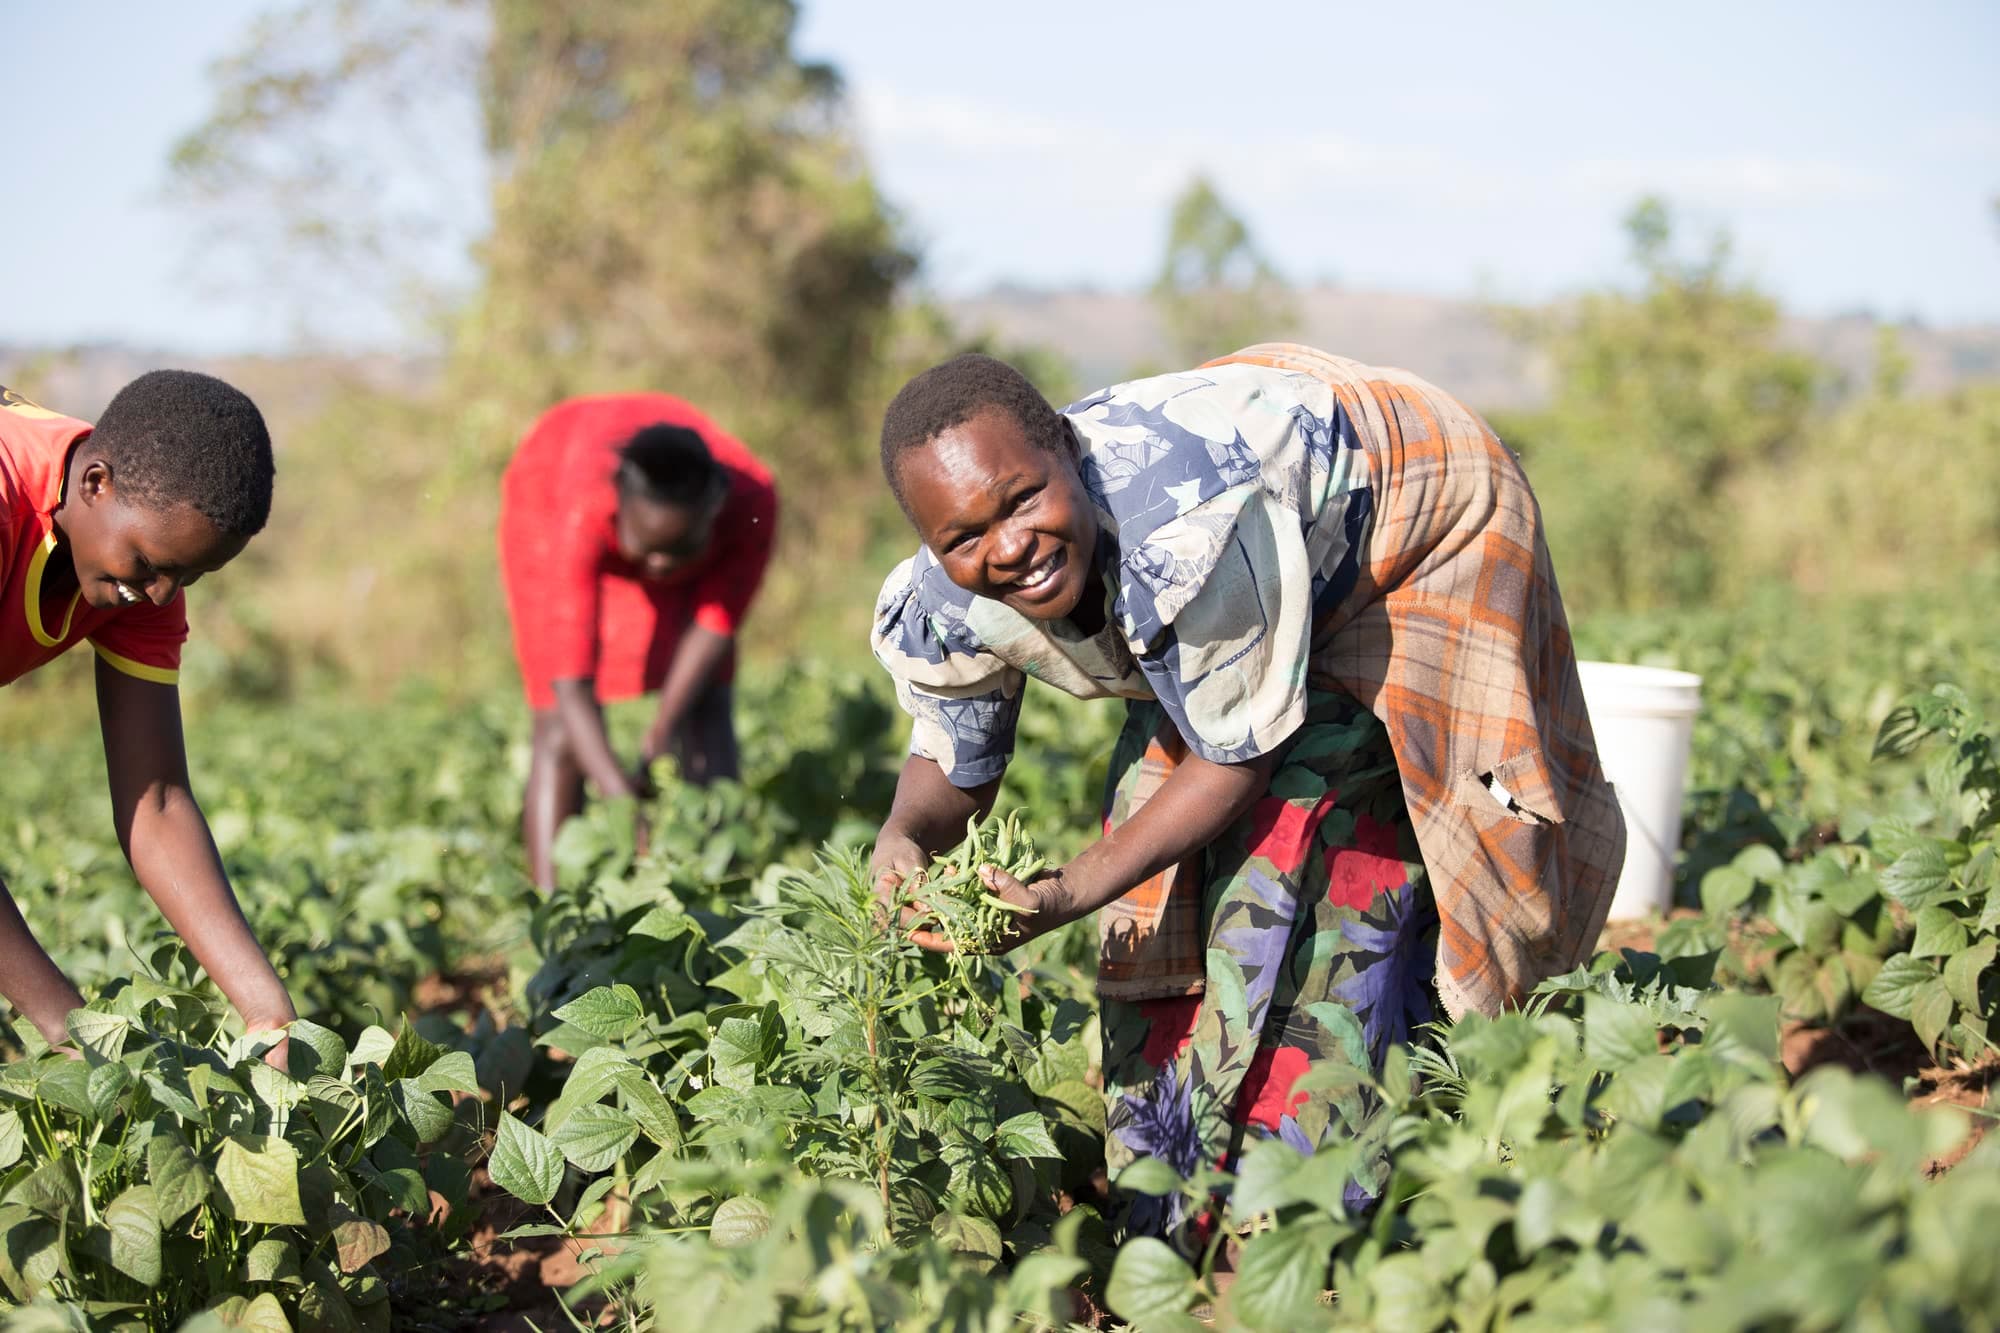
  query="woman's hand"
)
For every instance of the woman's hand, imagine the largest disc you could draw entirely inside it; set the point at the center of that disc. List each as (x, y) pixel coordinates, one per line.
(1046, 898)
(896, 858)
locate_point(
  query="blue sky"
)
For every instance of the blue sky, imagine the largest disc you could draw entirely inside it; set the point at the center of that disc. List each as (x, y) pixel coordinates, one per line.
(1447, 148)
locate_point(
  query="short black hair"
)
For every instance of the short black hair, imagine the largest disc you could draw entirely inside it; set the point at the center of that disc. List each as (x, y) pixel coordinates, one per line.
(669, 465)
(182, 437)
(953, 393)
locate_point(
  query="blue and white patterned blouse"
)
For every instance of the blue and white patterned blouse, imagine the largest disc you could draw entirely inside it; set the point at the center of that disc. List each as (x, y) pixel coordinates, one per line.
(1233, 503)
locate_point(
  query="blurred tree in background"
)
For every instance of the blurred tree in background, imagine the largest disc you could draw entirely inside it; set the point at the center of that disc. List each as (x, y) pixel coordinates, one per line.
(1688, 457)
(676, 203)
(1216, 292)
(1663, 399)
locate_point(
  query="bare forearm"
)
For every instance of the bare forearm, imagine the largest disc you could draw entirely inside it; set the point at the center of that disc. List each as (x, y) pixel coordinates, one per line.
(929, 811)
(168, 844)
(1192, 808)
(29, 978)
(700, 655)
(583, 723)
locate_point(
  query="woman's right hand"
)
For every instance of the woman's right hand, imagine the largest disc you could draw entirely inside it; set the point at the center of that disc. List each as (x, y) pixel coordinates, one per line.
(897, 857)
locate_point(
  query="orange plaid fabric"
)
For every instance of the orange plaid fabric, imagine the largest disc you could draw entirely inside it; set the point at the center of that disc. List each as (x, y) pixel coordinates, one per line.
(1151, 943)
(1455, 637)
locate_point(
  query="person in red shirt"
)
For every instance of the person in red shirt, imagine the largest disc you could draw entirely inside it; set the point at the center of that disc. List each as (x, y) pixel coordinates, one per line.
(634, 533)
(101, 530)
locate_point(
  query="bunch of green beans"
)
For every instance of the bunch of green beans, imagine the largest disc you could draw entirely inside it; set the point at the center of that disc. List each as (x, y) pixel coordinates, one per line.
(974, 920)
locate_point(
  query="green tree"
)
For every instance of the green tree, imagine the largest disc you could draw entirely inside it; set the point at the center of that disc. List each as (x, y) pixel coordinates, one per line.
(1215, 291)
(675, 202)
(1664, 401)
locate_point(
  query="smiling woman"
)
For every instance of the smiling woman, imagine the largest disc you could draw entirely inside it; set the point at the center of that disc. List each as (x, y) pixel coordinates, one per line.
(100, 530)
(1356, 782)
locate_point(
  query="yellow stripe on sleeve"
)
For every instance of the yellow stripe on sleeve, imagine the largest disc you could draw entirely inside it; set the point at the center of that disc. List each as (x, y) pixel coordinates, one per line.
(158, 675)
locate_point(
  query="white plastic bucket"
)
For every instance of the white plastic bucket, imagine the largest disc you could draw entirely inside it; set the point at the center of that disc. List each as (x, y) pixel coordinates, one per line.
(1643, 718)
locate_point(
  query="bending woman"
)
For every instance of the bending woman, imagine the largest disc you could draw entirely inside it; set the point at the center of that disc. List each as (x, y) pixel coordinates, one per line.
(634, 534)
(1356, 775)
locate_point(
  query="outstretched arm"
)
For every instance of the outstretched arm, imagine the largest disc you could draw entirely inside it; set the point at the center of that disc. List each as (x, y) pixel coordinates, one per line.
(1191, 809)
(29, 978)
(927, 816)
(583, 725)
(700, 653)
(166, 839)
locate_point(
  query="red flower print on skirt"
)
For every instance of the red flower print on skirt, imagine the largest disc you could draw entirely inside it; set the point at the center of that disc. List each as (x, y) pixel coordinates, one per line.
(1367, 868)
(1266, 1096)
(1170, 1027)
(1282, 831)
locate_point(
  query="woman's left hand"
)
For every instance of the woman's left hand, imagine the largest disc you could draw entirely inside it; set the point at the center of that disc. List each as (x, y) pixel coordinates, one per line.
(1045, 896)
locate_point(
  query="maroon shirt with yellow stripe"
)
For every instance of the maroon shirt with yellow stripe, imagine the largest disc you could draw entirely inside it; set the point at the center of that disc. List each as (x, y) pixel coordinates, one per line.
(143, 640)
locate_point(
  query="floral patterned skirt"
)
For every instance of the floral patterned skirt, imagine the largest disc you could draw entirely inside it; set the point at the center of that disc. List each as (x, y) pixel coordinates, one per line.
(1321, 945)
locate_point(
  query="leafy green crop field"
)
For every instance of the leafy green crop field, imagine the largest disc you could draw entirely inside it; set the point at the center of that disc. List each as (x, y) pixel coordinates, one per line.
(702, 1077)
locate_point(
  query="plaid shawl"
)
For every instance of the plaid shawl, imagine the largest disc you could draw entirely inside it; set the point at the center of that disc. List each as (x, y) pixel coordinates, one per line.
(1455, 637)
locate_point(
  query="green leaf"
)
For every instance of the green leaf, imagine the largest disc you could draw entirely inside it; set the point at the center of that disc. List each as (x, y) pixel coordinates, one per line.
(1930, 1012)
(429, 1118)
(1149, 1281)
(1895, 987)
(1939, 933)
(1025, 1135)
(105, 1088)
(452, 1071)
(180, 1182)
(263, 1314)
(595, 1137)
(1961, 974)
(611, 1013)
(739, 1221)
(411, 1055)
(1920, 876)
(974, 1239)
(738, 1050)
(1281, 1274)
(1724, 889)
(324, 1052)
(405, 1187)
(51, 1190)
(1617, 1034)
(133, 1219)
(12, 1140)
(98, 1034)
(373, 1046)
(356, 1239)
(1149, 1175)
(594, 1074)
(1406, 1292)
(64, 1084)
(524, 1163)
(258, 1177)
(647, 1105)
(272, 1260)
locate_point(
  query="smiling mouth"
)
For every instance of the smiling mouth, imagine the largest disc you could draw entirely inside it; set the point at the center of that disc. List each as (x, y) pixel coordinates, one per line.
(126, 597)
(1038, 579)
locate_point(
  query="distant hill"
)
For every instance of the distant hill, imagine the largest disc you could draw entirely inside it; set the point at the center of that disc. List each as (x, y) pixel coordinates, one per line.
(1104, 335)
(1455, 343)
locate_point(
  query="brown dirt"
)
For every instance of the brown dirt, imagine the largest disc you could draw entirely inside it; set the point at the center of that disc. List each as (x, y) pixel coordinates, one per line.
(516, 1286)
(462, 995)
(1869, 1041)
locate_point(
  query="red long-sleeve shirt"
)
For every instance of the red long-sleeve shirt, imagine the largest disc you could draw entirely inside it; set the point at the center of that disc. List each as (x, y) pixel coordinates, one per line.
(580, 609)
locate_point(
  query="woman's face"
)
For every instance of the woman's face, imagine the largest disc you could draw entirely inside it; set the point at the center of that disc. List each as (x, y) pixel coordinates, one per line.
(663, 539)
(1006, 520)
